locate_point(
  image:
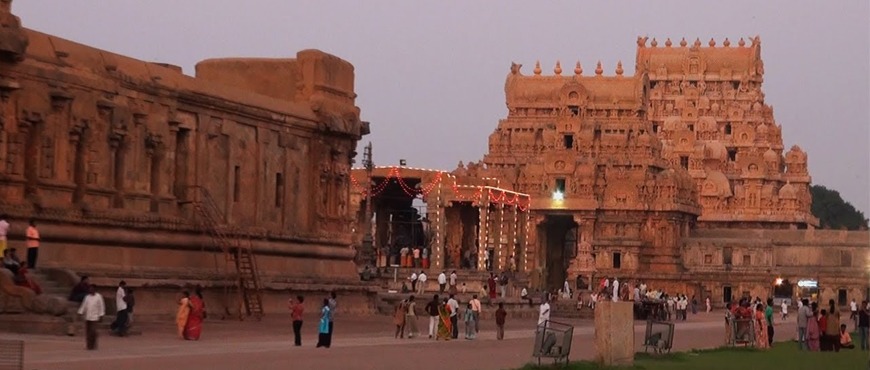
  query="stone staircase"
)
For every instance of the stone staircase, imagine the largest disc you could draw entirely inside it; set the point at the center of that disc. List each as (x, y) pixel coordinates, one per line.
(55, 284)
(567, 308)
(393, 277)
(58, 322)
(386, 304)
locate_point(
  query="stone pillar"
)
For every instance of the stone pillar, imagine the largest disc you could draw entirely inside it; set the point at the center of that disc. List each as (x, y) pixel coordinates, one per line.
(525, 242)
(514, 240)
(438, 228)
(614, 333)
(482, 231)
(77, 145)
(500, 252)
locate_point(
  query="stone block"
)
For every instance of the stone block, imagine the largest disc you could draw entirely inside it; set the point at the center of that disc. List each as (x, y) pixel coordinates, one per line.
(614, 333)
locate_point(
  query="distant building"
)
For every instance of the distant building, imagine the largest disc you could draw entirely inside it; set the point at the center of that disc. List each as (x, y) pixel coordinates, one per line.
(675, 175)
(112, 154)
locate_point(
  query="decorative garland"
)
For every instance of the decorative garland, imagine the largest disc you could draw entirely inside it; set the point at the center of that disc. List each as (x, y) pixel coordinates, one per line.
(495, 195)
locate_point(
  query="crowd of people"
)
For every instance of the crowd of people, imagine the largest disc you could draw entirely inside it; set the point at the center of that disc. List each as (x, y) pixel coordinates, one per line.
(821, 329)
(92, 308)
(749, 321)
(20, 269)
(444, 318)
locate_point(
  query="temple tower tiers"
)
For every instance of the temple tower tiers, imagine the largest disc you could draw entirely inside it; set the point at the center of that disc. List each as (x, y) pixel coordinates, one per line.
(707, 107)
(698, 108)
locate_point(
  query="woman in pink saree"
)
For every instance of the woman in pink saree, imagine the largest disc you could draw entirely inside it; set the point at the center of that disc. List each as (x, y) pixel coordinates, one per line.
(813, 332)
(193, 328)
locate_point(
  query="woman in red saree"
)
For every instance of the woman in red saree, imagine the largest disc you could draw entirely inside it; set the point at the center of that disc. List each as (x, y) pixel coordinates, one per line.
(490, 284)
(193, 328)
(445, 327)
(23, 279)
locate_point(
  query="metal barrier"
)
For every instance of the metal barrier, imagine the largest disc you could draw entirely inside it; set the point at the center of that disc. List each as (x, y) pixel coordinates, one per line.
(659, 336)
(553, 340)
(742, 332)
(11, 354)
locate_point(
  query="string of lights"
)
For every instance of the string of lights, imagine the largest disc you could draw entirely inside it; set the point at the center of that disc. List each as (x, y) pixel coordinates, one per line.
(495, 194)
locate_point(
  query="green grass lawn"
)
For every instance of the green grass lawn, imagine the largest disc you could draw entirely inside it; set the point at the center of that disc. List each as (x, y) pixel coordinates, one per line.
(783, 356)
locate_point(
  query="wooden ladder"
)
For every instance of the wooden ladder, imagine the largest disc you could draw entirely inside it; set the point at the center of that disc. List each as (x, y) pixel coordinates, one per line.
(237, 248)
(249, 282)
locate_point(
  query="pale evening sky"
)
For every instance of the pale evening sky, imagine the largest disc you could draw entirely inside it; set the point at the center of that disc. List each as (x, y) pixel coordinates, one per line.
(430, 74)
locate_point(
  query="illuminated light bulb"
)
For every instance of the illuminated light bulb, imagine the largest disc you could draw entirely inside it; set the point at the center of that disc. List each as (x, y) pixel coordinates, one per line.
(558, 195)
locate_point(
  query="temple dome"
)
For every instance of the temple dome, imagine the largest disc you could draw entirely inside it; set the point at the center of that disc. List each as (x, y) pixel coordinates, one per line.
(771, 156)
(796, 155)
(717, 185)
(787, 191)
(715, 150)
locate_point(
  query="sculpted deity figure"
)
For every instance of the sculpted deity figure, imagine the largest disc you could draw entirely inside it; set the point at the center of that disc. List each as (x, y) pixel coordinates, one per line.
(515, 68)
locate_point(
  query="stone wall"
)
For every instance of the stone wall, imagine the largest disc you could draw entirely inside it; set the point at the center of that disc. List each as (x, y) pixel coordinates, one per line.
(836, 259)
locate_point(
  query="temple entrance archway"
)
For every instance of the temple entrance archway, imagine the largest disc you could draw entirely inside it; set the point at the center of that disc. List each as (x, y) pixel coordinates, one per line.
(560, 246)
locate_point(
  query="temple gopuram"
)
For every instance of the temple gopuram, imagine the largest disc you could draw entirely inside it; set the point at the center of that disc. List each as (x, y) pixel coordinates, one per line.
(675, 176)
(238, 176)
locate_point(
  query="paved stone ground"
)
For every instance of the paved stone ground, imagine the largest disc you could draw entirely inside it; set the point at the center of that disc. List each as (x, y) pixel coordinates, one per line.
(359, 343)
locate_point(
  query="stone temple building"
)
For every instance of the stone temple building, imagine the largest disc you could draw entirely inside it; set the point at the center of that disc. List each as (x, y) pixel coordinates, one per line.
(111, 156)
(675, 175)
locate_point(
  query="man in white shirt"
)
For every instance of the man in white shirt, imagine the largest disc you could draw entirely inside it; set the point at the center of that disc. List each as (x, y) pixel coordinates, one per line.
(452, 282)
(784, 306)
(475, 312)
(615, 296)
(454, 315)
(413, 279)
(442, 282)
(854, 316)
(544, 313)
(92, 310)
(566, 289)
(119, 326)
(421, 282)
(524, 295)
(4, 230)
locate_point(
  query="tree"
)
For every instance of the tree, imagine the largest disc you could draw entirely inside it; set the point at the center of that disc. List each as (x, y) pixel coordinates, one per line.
(834, 212)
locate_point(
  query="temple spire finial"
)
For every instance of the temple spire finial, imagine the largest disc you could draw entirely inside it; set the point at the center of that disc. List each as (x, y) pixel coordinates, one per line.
(598, 69)
(654, 43)
(726, 43)
(756, 41)
(538, 68)
(558, 69)
(578, 70)
(712, 43)
(619, 70)
(741, 43)
(683, 42)
(697, 42)
(668, 42)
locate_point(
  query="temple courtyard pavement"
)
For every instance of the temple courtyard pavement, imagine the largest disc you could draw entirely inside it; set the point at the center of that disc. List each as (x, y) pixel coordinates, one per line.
(359, 343)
